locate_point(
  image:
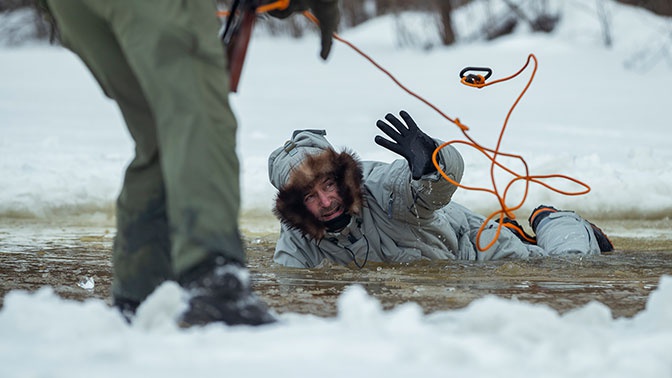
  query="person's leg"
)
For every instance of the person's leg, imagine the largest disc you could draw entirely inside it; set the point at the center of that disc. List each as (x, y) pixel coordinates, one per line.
(177, 69)
(141, 257)
(565, 232)
(172, 48)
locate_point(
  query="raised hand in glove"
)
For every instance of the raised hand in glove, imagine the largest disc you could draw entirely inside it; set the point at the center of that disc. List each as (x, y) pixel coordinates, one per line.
(411, 143)
(326, 12)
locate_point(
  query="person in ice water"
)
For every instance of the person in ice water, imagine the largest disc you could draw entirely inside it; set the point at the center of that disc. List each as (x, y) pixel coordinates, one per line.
(334, 207)
(177, 214)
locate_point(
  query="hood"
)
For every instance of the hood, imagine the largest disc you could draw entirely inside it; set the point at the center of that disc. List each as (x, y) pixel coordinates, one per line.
(301, 162)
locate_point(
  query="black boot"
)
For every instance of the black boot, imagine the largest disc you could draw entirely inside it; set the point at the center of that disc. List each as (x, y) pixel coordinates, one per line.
(126, 307)
(602, 240)
(220, 292)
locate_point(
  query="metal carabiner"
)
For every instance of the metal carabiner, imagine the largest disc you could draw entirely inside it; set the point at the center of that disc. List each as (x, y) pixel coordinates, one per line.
(475, 79)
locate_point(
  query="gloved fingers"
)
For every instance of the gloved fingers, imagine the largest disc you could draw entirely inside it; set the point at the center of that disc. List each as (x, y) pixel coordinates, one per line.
(294, 6)
(328, 15)
(281, 14)
(401, 128)
(412, 126)
(326, 44)
(385, 143)
(389, 131)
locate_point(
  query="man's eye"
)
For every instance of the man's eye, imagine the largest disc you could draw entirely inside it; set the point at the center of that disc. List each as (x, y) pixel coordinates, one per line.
(308, 198)
(329, 185)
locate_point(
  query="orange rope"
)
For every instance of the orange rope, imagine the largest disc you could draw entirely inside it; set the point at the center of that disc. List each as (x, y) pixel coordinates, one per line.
(276, 5)
(490, 154)
(506, 210)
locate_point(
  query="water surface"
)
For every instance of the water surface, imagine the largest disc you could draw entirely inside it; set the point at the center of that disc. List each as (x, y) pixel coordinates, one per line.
(75, 261)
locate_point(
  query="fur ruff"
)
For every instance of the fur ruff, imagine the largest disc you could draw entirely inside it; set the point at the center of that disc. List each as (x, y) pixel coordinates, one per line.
(343, 167)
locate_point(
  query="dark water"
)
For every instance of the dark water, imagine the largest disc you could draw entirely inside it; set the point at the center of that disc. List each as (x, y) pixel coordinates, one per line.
(75, 261)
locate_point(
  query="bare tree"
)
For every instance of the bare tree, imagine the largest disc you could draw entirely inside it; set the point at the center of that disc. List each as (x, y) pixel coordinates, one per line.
(355, 12)
(10, 5)
(604, 16)
(28, 22)
(395, 6)
(661, 7)
(534, 13)
(446, 27)
(542, 20)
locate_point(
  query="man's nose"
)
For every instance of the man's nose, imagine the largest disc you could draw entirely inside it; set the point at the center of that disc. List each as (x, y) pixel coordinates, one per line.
(324, 198)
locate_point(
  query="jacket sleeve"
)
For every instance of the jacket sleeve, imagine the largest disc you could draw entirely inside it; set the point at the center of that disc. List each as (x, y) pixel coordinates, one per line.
(295, 251)
(413, 200)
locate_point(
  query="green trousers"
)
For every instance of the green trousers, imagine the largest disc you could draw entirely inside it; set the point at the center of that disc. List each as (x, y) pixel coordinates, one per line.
(163, 64)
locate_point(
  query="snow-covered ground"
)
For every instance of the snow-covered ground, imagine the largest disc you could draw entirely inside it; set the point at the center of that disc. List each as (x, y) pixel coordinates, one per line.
(45, 336)
(599, 115)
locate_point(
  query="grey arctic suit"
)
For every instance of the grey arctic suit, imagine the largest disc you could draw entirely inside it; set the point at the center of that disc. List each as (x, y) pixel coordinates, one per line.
(402, 219)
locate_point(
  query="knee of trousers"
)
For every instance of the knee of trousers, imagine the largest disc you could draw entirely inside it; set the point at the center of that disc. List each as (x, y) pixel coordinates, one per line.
(566, 233)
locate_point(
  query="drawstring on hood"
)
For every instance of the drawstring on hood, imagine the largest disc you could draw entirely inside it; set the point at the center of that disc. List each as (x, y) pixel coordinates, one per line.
(298, 165)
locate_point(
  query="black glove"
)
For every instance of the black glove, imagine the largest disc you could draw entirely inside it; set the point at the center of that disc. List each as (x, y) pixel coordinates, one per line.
(326, 12)
(411, 143)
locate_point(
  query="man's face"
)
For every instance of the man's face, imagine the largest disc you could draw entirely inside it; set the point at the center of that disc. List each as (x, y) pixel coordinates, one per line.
(323, 200)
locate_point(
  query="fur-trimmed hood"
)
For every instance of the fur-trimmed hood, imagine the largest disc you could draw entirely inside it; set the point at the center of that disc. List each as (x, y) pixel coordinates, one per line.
(300, 163)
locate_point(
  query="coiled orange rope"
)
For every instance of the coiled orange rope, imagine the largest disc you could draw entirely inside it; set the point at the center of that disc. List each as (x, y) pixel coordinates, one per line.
(491, 154)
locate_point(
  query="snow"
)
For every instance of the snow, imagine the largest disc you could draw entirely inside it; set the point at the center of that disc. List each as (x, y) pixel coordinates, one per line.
(490, 337)
(599, 115)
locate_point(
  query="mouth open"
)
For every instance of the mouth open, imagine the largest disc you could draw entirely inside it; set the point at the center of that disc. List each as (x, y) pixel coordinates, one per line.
(332, 213)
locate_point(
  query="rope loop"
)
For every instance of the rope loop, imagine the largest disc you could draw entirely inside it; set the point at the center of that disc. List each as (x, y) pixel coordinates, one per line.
(492, 154)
